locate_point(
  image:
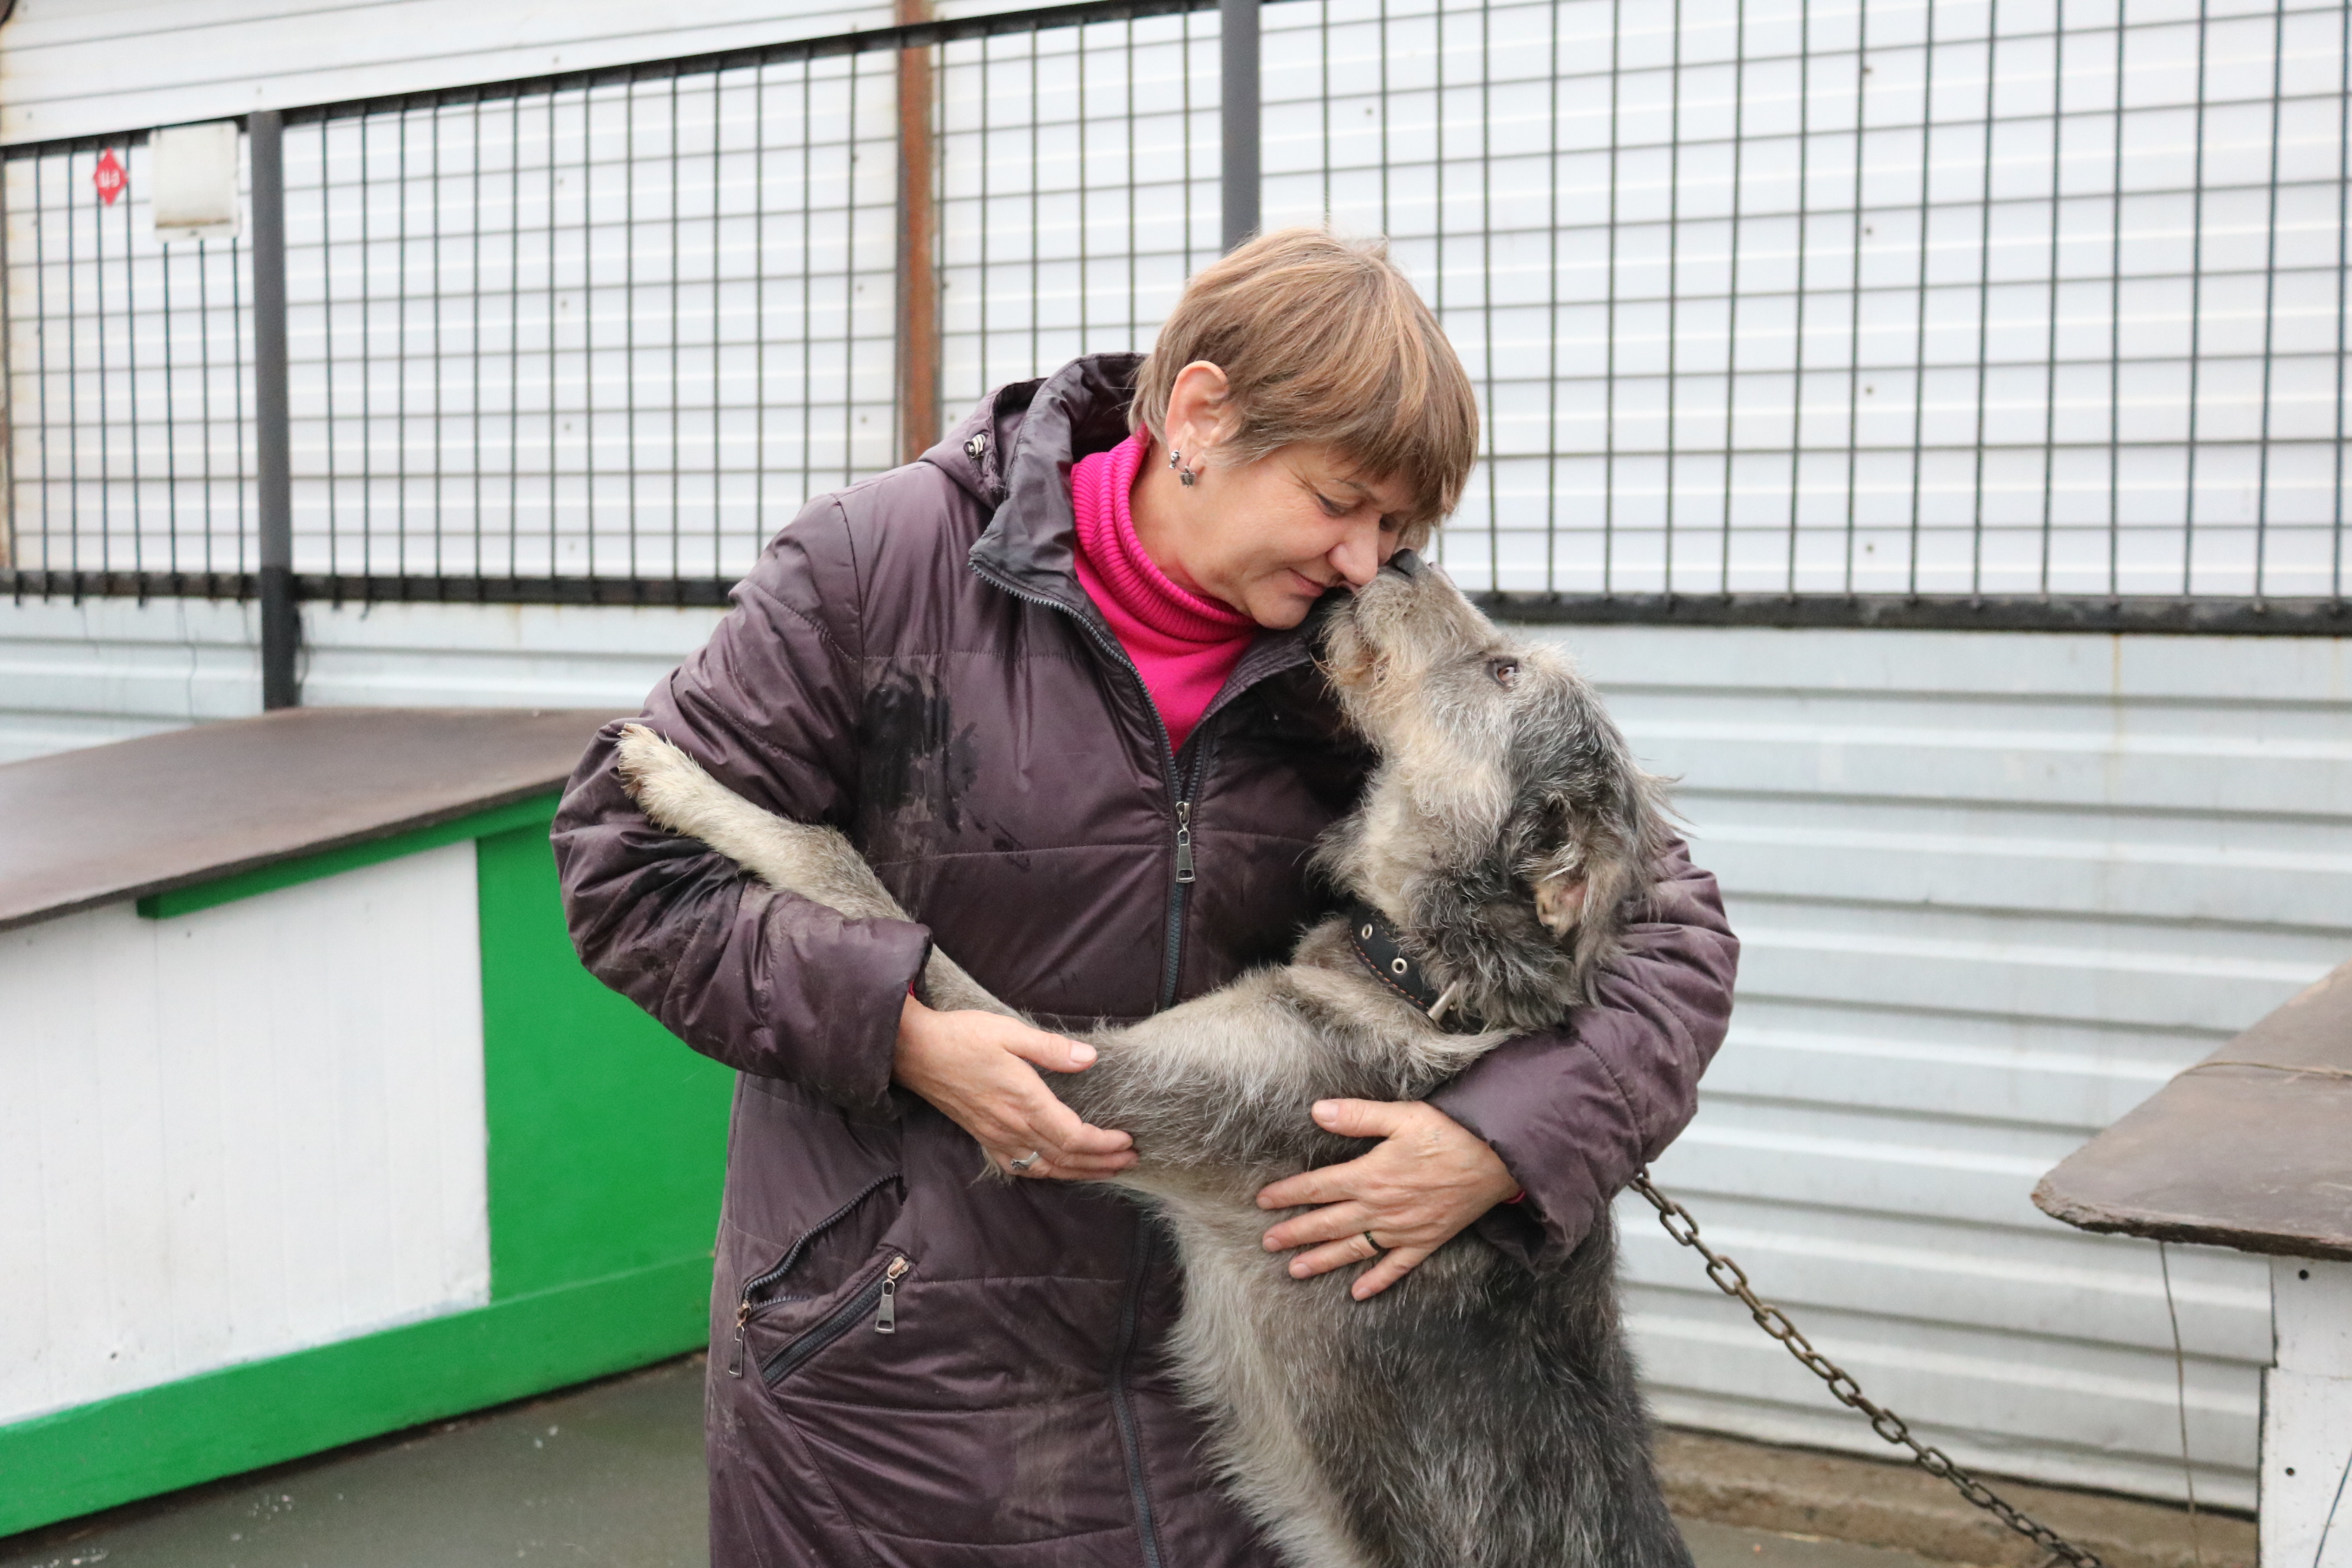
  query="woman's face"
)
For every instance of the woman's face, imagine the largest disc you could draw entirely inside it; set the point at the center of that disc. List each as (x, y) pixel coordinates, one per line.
(1267, 538)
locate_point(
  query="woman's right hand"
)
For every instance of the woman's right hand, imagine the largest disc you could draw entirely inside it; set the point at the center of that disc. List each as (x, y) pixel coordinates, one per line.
(980, 1070)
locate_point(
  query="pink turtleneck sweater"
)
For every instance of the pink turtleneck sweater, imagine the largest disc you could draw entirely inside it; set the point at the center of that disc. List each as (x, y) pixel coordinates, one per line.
(1184, 645)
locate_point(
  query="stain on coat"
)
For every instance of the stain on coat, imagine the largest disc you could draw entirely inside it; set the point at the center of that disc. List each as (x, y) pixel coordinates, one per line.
(914, 766)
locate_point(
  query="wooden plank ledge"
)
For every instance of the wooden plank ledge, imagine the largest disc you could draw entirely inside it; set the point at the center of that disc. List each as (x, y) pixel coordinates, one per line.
(2251, 1148)
(148, 816)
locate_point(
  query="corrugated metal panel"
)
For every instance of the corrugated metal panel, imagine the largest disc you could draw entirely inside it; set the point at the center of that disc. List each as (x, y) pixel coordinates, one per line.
(1994, 890)
(107, 670)
(70, 68)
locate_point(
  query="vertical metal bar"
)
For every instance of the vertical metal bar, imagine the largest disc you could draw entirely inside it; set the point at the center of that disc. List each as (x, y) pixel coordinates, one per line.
(73, 395)
(514, 333)
(367, 362)
(1486, 282)
(473, 566)
(808, 278)
(2049, 345)
(1551, 306)
(400, 343)
(1731, 297)
(105, 401)
(1919, 323)
(2115, 326)
(281, 627)
(2195, 316)
(759, 306)
(849, 261)
(918, 285)
(1237, 118)
(718, 318)
(1853, 283)
(2343, 271)
(130, 396)
(634, 568)
(327, 349)
(11, 553)
(1609, 303)
(171, 424)
(1674, 291)
(1804, 242)
(1984, 296)
(2270, 302)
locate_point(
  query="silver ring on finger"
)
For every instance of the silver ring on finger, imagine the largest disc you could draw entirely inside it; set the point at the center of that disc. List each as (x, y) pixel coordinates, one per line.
(1376, 1247)
(1021, 1167)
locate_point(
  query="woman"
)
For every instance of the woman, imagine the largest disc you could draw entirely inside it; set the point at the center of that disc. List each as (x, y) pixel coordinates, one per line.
(1053, 681)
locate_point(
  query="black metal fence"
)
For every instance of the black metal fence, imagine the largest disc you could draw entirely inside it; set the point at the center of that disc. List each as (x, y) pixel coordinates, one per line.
(1906, 311)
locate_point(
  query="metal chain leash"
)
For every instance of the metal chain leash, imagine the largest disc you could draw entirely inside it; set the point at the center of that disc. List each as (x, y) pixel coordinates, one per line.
(1732, 1280)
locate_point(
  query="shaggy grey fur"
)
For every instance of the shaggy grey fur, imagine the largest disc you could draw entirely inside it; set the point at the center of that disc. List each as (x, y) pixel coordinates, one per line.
(1475, 1414)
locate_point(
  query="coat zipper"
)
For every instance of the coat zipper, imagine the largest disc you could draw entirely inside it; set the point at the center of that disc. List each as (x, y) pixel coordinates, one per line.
(751, 1287)
(1177, 790)
(1122, 1404)
(879, 1296)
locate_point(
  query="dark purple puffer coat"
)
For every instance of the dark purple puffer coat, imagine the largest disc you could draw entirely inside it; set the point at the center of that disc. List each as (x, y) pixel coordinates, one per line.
(914, 662)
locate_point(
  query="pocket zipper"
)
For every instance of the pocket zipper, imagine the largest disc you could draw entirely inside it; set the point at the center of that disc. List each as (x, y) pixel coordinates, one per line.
(880, 1297)
(751, 1287)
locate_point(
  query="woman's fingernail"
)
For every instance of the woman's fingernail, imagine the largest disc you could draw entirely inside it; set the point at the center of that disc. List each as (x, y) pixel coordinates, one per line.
(1082, 1054)
(1298, 1269)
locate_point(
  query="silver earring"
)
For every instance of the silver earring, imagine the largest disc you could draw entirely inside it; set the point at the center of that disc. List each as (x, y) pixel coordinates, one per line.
(1184, 476)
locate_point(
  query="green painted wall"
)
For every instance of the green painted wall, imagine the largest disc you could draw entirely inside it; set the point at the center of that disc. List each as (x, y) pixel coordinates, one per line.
(608, 1138)
(607, 1142)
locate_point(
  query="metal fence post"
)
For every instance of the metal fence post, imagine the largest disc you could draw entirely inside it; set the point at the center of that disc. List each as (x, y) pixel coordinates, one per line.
(282, 623)
(1238, 54)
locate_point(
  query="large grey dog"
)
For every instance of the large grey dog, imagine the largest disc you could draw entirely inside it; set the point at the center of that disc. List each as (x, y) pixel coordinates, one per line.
(1475, 1414)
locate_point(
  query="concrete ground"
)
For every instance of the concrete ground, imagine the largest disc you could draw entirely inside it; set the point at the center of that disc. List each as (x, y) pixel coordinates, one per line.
(608, 1476)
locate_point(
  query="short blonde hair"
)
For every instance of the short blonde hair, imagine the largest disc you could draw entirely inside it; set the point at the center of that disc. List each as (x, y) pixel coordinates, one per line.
(1322, 339)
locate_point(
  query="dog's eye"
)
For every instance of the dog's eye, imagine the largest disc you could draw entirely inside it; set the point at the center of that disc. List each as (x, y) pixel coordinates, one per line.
(1506, 672)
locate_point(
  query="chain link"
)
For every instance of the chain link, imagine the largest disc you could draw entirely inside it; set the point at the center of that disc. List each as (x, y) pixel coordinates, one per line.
(1732, 1280)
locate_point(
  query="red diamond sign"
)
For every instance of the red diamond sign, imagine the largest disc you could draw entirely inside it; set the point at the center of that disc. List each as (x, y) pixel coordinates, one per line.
(109, 177)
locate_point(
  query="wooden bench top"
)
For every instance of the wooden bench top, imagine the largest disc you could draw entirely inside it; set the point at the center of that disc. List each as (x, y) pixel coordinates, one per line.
(106, 823)
(2258, 1157)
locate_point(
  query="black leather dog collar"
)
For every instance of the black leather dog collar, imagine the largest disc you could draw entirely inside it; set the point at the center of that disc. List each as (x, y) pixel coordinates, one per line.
(1375, 942)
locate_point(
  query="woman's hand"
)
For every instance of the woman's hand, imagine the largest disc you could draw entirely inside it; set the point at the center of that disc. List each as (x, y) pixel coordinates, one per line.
(981, 1070)
(1424, 1183)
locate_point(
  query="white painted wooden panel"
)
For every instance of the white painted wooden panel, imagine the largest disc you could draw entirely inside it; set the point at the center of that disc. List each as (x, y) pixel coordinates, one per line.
(1993, 891)
(2308, 1419)
(238, 1133)
(70, 67)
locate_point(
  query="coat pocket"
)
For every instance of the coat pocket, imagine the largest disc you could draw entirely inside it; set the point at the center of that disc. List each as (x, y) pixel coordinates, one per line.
(876, 1300)
(772, 1285)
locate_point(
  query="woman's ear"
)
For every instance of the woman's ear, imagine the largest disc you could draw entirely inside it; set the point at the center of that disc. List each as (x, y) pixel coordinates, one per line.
(1196, 409)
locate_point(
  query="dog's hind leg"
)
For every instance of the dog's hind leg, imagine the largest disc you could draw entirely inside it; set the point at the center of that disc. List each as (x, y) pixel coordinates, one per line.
(817, 863)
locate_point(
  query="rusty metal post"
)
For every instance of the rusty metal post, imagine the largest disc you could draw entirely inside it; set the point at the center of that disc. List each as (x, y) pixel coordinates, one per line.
(918, 290)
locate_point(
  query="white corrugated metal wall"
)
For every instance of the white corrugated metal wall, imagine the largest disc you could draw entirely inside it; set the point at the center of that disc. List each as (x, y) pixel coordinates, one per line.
(1995, 888)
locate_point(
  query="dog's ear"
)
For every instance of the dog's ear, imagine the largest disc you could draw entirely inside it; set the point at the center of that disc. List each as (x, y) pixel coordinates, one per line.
(1560, 899)
(1557, 872)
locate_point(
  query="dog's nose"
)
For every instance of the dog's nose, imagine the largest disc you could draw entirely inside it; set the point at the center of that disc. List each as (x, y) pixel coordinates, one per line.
(1405, 563)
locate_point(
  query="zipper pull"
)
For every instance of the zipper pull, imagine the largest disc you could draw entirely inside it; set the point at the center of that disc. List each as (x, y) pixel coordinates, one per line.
(742, 1316)
(1184, 841)
(885, 1318)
